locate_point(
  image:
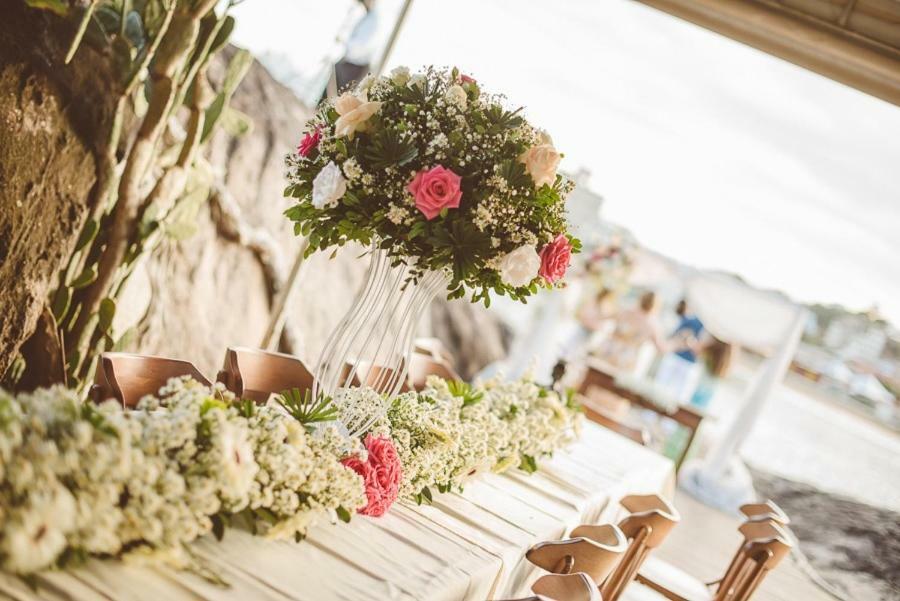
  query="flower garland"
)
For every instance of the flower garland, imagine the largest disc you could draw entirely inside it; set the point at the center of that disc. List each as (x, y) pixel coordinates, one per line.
(80, 480)
(440, 174)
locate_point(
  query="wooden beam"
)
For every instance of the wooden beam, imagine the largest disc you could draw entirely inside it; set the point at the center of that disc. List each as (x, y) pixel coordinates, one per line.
(827, 49)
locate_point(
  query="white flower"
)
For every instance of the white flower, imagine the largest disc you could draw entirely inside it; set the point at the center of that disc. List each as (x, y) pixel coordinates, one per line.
(416, 81)
(352, 169)
(239, 468)
(36, 535)
(517, 268)
(400, 75)
(456, 95)
(366, 83)
(328, 186)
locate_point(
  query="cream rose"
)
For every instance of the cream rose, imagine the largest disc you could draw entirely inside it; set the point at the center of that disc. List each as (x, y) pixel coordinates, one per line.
(356, 119)
(347, 102)
(541, 161)
(456, 95)
(400, 75)
(517, 268)
(328, 186)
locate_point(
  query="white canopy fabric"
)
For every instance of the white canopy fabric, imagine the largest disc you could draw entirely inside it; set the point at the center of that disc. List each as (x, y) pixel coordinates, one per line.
(738, 313)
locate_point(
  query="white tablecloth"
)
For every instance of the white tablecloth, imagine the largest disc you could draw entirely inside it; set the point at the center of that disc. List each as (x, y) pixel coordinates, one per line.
(465, 546)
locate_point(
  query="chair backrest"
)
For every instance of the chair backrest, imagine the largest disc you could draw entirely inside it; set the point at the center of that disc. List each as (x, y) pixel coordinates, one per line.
(595, 552)
(638, 435)
(421, 366)
(367, 374)
(767, 510)
(433, 347)
(566, 587)
(648, 523)
(255, 374)
(765, 545)
(128, 377)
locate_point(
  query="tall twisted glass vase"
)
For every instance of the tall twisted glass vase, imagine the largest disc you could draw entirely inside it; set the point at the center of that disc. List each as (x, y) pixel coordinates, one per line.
(371, 345)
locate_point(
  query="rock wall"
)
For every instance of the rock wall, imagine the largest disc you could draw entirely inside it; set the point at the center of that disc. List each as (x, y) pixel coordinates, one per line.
(49, 121)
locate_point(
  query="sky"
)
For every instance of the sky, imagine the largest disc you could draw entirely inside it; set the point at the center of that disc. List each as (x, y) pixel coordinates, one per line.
(708, 150)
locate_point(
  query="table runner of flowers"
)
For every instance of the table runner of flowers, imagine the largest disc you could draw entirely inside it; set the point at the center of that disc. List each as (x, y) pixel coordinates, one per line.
(79, 479)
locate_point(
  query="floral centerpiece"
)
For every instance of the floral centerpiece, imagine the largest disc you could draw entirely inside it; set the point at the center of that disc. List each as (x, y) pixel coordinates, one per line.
(432, 168)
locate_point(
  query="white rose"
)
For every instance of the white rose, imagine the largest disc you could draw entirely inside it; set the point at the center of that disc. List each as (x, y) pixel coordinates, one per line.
(519, 267)
(355, 119)
(366, 83)
(400, 75)
(456, 95)
(328, 186)
(541, 162)
(416, 81)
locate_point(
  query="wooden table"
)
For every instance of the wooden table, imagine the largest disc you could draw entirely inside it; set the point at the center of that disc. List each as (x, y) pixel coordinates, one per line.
(600, 376)
(466, 546)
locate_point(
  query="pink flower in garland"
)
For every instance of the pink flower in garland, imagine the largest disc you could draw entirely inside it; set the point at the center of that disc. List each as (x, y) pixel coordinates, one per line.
(555, 258)
(466, 79)
(309, 142)
(381, 474)
(434, 190)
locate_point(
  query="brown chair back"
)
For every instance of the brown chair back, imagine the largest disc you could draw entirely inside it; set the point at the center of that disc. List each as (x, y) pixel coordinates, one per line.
(767, 510)
(765, 546)
(595, 552)
(566, 587)
(421, 366)
(367, 374)
(638, 435)
(648, 523)
(128, 377)
(255, 374)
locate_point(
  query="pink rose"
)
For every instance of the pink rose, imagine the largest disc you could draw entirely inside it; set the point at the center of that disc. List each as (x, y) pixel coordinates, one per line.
(434, 190)
(381, 474)
(555, 259)
(309, 142)
(466, 79)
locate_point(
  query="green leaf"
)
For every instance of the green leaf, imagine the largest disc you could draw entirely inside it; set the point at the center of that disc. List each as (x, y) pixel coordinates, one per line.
(237, 69)
(59, 7)
(87, 234)
(528, 464)
(105, 314)
(387, 149)
(60, 303)
(306, 410)
(426, 492)
(85, 278)
(343, 514)
(464, 391)
(223, 35)
(236, 123)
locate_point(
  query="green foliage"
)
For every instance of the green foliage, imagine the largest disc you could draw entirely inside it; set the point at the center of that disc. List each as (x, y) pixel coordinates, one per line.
(306, 410)
(464, 391)
(237, 69)
(386, 149)
(528, 464)
(343, 514)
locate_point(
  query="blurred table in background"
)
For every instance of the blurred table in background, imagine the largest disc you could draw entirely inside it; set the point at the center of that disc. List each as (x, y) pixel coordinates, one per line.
(467, 546)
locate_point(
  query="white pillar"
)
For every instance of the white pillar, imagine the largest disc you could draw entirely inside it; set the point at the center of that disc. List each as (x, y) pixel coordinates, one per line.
(721, 480)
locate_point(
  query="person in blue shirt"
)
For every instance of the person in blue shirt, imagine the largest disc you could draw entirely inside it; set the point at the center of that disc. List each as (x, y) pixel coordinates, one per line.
(689, 333)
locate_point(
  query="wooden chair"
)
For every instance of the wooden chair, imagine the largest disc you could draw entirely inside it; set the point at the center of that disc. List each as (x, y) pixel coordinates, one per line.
(421, 366)
(596, 415)
(595, 553)
(648, 523)
(564, 587)
(255, 374)
(128, 377)
(765, 544)
(767, 510)
(367, 374)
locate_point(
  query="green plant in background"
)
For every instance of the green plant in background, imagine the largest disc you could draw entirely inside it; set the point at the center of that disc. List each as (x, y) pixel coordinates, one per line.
(152, 178)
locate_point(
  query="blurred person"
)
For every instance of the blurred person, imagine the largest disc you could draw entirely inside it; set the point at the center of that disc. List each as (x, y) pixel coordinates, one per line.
(716, 358)
(678, 371)
(633, 328)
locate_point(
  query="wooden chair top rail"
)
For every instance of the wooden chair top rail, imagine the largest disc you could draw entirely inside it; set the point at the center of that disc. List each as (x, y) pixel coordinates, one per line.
(128, 377)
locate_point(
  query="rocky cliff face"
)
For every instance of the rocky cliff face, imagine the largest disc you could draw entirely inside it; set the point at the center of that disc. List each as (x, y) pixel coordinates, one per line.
(48, 139)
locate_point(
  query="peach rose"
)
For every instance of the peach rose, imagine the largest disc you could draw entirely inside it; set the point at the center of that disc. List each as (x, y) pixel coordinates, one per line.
(541, 161)
(354, 112)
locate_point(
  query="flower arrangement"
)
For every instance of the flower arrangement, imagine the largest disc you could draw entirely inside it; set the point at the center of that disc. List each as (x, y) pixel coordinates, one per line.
(439, 174)
(80, 480)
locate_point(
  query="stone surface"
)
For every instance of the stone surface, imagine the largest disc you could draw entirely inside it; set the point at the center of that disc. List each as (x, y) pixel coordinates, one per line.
(855, 547)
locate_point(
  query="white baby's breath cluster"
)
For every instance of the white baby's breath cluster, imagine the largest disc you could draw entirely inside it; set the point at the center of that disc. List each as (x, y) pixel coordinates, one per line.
(449, 432)
(78, 479)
